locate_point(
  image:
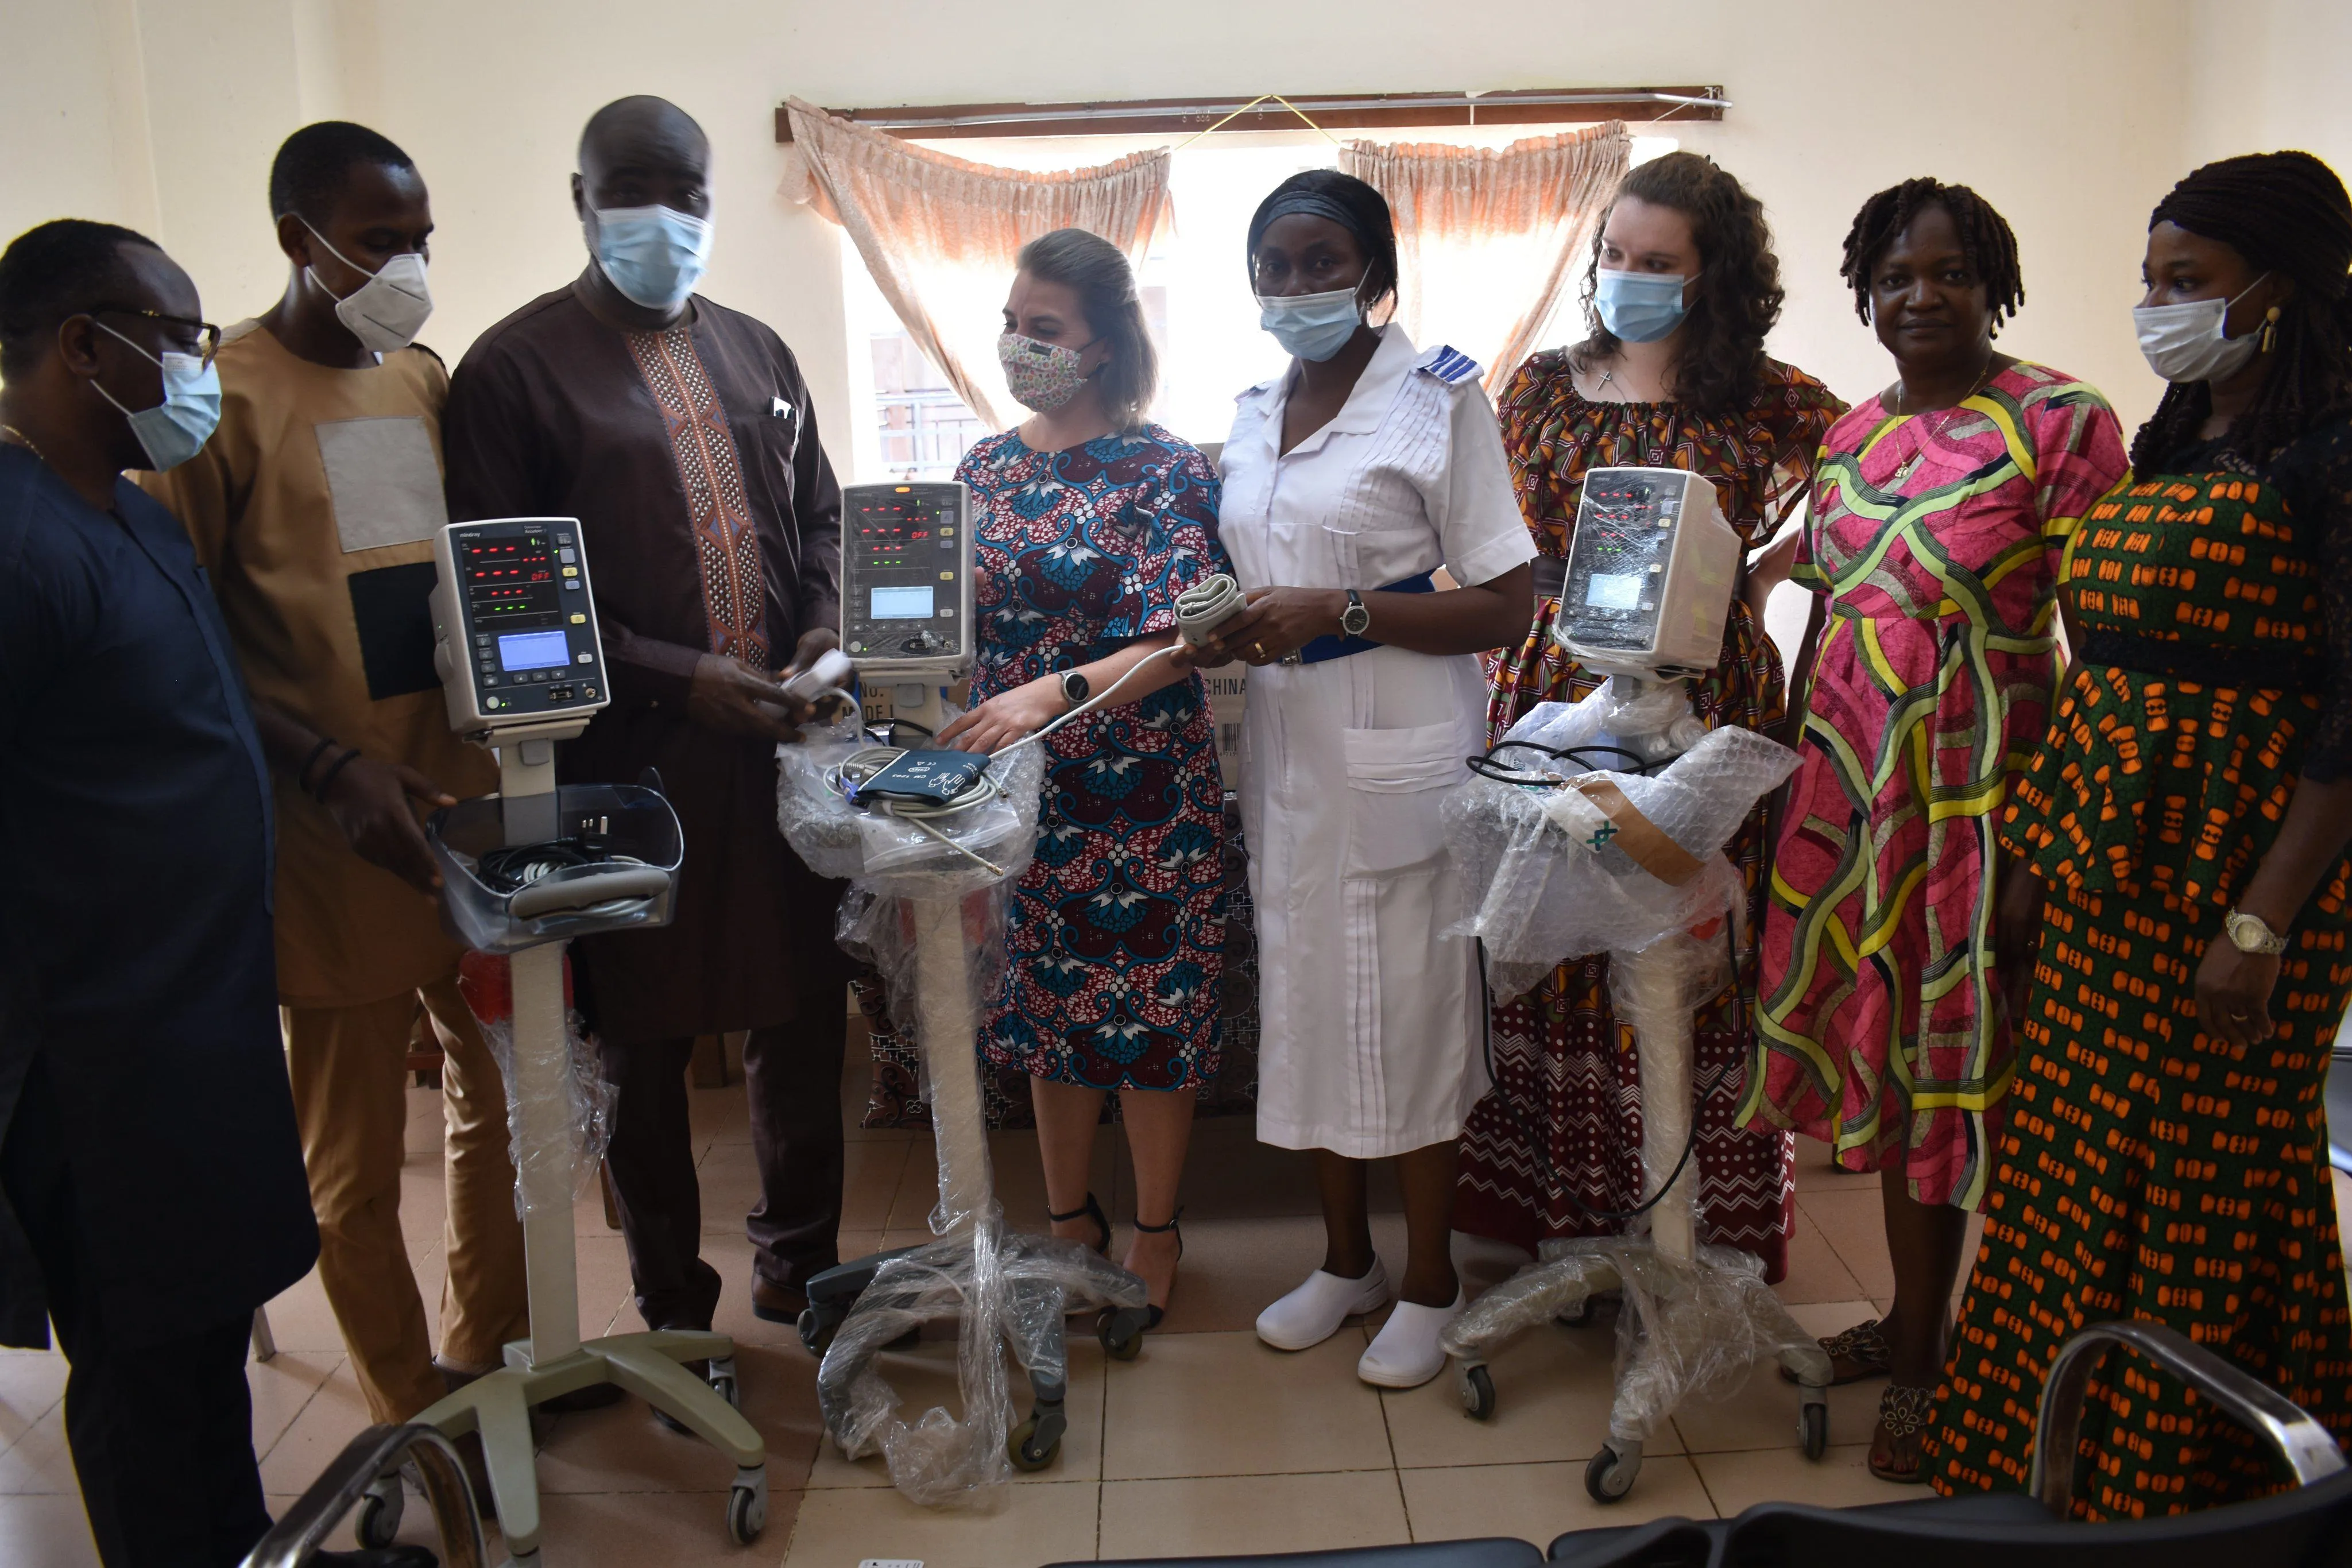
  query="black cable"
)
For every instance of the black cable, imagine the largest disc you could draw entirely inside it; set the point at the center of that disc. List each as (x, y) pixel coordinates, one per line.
(1485, 766)
(1541, 1146)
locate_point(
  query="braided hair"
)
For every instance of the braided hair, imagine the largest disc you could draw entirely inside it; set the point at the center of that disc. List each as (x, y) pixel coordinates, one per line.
(2285, 212)
(1985, 239)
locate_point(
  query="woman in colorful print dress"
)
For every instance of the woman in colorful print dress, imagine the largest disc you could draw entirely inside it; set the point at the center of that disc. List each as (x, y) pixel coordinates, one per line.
(1940, 508)
(2181, 835)
(1669, 377)
(1089, 522)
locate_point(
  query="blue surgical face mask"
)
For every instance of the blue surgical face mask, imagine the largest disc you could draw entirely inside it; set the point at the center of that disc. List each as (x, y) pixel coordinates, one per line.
(177, 428)
(1311, 326)
(654, 255)
(1639, 307)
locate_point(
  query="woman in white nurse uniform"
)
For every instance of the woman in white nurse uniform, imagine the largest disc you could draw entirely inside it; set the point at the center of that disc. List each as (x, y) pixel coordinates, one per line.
(1350, 480)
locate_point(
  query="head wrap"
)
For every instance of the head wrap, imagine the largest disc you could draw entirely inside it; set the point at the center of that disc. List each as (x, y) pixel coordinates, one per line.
(2284, 212)
(1344, 200)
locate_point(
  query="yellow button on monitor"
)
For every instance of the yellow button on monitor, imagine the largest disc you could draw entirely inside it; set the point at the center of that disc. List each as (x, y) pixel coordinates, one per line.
(947, 577)
(579, 621)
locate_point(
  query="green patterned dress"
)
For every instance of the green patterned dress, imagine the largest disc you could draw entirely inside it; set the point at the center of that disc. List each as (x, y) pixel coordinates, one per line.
(2149, 1170)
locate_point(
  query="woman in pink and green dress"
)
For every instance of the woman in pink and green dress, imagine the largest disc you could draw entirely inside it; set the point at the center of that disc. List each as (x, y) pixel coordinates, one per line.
(1939, 510)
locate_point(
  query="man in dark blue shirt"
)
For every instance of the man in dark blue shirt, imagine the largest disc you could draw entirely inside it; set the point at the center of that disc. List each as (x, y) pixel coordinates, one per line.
(152, 1192)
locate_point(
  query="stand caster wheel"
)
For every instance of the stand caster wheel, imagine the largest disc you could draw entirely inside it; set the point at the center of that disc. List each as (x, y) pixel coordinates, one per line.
(816, 1328)
(1120, 1330)
(746, 1508)
(1813, 1428)
(378, 1519)
(1476, 1385)
(1610, 1474)
(1037, 1441)
(1577, 1316)
(723, 1383)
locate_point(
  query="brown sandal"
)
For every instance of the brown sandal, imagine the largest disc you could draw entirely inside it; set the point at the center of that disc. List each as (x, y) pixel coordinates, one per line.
(1903, 1412)
(1865, 1345)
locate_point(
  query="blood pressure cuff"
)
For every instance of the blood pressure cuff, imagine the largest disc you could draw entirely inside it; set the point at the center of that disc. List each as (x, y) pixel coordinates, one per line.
(392, 607)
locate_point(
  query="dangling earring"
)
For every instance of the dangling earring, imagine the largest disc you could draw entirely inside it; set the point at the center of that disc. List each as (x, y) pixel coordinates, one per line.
(2270, 328)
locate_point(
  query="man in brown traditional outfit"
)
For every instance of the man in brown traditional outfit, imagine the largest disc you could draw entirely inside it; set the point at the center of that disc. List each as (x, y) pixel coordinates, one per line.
(681, 434)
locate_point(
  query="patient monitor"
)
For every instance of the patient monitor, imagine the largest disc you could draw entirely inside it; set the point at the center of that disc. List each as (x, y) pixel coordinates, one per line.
(906, 578)
(514, 627)
(1650, 573)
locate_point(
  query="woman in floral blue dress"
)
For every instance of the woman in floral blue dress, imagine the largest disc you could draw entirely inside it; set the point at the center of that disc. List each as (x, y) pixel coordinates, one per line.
(1089, 522)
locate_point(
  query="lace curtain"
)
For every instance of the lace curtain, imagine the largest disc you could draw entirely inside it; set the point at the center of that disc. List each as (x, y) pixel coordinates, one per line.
(939, 234)
(1487, 239)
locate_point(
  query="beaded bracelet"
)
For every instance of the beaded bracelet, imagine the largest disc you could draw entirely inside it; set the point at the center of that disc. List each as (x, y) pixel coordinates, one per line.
(328, 777)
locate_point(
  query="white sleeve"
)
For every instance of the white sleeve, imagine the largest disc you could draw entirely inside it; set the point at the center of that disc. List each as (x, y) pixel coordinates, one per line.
(1477, 517)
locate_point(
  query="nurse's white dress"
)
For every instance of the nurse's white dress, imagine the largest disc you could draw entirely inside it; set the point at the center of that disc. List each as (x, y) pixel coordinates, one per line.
(1368, 1017)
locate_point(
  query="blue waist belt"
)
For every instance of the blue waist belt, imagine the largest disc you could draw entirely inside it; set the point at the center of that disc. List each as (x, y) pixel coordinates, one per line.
(1324, 648)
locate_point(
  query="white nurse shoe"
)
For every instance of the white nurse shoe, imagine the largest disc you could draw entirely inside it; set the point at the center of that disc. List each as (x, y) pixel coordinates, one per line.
(1405, 1353)
(1313, 1312)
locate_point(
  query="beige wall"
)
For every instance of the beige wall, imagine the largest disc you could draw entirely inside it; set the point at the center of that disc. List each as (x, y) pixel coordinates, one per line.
(2072, 115)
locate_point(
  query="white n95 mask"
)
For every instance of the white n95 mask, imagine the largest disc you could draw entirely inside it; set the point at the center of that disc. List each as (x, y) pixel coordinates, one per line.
(2185, 343)
(388, 310)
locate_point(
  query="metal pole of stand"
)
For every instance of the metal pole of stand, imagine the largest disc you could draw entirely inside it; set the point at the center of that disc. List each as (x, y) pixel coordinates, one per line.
(943, 994)
(542, 1063)
(1664, 1046)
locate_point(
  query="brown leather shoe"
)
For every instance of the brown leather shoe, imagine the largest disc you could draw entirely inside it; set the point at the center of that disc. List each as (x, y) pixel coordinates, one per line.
(777, 1304)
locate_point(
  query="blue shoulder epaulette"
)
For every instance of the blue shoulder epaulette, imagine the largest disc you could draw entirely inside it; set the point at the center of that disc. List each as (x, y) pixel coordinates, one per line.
(1449, 364)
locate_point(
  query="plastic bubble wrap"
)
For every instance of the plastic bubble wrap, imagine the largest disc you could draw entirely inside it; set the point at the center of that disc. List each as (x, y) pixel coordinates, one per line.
(584, 1107)
(1689, 1330)
(891, 856)
(1020, 1287)
(1552, 884)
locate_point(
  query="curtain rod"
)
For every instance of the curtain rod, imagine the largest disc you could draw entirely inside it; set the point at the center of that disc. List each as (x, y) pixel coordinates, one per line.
(1517, 106)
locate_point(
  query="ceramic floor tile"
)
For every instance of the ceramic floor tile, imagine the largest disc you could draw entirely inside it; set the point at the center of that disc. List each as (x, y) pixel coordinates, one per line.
(1020, 1180)
(1814, 1172)
(1539, 1502)
(1815, 1271)
(300, 1319)
(925, 1376)
(1839, 1479)
(843, 1526)
(415, 1523)
(282, 1387)
(1217, 1515)
(30, 1387)
(1233, 1268)
(675, 1529)
(1553, 1387)
(729, 1178)
(46, 1532)
(731, 1256)
(1763, 1413)
(623, 1448)
(1854, 1225)
(39, 1462)
(719, 1115)
(336, 1414)
(1224, 1404)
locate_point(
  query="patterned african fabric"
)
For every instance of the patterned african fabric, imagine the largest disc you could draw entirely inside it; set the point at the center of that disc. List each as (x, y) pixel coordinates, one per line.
(1116, 934)
(1936, 538)
(1565, 1068)
(2149, 1170)
(732, 591)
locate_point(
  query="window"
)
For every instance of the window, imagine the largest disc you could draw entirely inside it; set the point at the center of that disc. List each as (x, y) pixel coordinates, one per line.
(910, 424)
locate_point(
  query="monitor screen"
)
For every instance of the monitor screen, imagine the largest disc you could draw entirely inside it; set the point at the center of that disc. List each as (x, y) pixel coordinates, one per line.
(1615, 591)
(533, 651)
(901, 603)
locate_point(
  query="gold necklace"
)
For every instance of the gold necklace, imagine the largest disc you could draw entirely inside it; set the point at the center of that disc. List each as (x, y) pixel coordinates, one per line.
(1901, 388)
(23, 440)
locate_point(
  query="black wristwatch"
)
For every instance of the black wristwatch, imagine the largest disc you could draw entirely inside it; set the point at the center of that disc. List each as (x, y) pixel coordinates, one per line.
(1074, 687)
(1355, 620)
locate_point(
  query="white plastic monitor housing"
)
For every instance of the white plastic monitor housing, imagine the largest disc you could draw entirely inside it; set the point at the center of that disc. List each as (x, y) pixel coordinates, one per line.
(1651, 569)
(514, 628)
(907, 590)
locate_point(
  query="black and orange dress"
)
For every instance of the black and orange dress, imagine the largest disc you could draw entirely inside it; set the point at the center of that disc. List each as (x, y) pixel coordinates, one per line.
(2150, 1170)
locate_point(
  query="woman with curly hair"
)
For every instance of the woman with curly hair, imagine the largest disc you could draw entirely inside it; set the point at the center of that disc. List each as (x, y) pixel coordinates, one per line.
(1682, 289)
(1940, 508)
(2181, 876)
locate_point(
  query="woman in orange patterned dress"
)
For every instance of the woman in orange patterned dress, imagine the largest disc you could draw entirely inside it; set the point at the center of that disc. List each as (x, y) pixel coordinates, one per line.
(2182, 834)
(1675, 382)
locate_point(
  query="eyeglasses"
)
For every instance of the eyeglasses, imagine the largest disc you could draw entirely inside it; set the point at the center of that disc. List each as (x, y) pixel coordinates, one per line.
(208, 336)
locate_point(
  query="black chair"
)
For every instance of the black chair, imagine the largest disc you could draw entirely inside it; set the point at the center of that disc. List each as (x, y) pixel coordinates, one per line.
(2310, 1527)
(1495, 1552)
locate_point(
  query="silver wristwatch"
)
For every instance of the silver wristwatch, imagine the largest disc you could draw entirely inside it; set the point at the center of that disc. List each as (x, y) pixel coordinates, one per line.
(2249, 935)
(1355, 620)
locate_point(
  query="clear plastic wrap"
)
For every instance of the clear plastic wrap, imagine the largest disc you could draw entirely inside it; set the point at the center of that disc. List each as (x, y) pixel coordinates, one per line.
(1690, 1330)
(550, 1173)
(1556, 875)
(930, 917)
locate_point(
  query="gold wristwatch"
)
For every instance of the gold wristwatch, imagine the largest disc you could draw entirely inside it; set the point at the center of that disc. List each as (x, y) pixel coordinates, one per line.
(2247, 934)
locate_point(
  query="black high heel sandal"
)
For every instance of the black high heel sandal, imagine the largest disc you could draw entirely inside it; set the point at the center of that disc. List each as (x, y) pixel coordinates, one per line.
(1090, 1210)
(1176, 1223)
